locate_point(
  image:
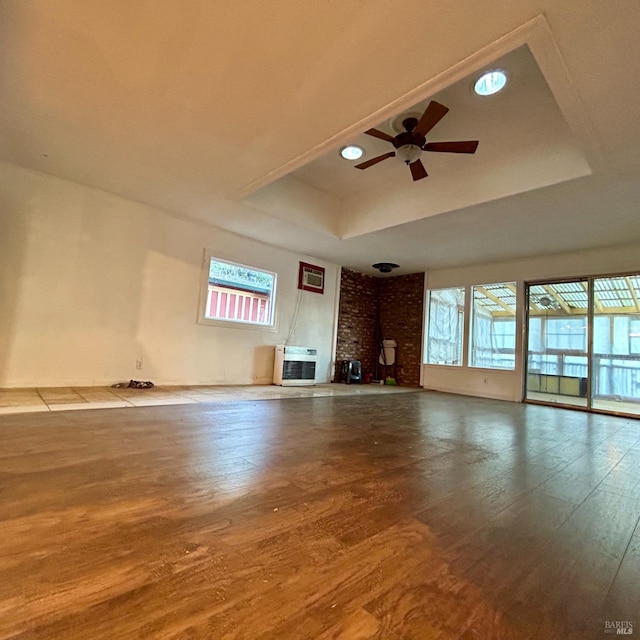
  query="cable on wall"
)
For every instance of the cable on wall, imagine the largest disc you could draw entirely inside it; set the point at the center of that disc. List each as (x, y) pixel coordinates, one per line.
(294, 319)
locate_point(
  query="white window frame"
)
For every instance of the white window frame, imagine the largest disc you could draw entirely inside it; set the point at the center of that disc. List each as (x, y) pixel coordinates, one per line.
(235, 323)
(461, 323)
(472, 336)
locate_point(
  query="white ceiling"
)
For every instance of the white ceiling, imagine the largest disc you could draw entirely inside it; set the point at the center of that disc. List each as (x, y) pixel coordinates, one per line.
(232, 114)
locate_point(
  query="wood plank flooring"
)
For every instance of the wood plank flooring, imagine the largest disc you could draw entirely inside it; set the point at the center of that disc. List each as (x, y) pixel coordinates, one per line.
(389, 517)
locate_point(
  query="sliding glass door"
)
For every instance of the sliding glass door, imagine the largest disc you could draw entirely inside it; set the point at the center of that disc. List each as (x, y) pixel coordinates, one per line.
(558, 343)
(583, 343)
(615, 359)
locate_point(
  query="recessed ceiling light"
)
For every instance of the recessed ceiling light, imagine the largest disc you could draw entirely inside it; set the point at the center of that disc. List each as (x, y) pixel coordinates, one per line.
(490, 82)
(352, 152)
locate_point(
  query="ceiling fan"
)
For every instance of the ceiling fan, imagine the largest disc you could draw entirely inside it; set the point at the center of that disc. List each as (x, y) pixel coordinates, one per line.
(410, 144)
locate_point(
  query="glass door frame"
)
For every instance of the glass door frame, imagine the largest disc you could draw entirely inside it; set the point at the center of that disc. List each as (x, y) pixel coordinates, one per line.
(590, 324)
(525, 342)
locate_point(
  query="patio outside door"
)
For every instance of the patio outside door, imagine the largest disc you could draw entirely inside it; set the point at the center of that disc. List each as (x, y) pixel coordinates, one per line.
(615, 359)
(565, 366)
(558, 343)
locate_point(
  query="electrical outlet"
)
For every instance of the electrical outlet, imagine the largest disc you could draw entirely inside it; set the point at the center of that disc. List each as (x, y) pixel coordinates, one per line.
(139, 363)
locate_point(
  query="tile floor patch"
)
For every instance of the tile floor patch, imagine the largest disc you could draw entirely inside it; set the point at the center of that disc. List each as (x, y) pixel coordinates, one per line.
(27, 400)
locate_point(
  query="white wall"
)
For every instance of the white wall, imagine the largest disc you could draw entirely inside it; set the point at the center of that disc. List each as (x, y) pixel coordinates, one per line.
(90, 282)
(507, 385)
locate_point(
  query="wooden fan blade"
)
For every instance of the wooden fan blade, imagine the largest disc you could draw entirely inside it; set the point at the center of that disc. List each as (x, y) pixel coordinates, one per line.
(460, 146)
(431, 116)
(370, 163)
(417, 170)
(376, 133)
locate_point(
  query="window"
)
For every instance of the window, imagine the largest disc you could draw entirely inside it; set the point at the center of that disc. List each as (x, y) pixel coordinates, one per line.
(446, 326)
(634, 337)
(493, 326)
(236, 293)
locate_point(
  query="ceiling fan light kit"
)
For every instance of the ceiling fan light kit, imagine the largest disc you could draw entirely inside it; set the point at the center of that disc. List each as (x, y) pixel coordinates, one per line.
(410, 143)
(408, 153)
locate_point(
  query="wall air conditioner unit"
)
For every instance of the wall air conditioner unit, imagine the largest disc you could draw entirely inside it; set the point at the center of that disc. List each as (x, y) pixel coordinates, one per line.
(294, 366)
(311, 278)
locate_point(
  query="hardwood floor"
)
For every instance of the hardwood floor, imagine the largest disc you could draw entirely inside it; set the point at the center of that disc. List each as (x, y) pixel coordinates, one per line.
(412, 516)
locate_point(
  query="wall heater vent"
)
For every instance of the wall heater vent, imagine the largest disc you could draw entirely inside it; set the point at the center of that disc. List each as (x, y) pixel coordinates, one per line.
(294, 366)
